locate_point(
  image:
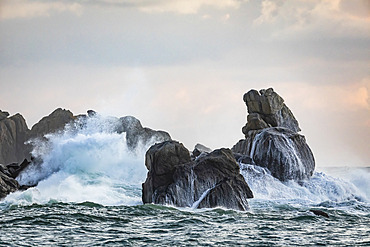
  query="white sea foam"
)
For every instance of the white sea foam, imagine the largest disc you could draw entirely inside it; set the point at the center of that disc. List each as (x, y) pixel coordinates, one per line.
(320, 188)
(90, 163)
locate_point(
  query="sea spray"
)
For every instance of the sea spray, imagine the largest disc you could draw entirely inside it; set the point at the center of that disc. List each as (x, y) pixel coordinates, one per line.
(319, 188)
(88, 161)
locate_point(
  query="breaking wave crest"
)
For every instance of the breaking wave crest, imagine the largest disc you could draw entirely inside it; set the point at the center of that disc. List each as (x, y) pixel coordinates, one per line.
(87, 161)
(319, 188)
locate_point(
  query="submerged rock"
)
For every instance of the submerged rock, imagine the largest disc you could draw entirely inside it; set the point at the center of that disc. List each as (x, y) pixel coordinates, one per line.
(210, 181)
(271, 138)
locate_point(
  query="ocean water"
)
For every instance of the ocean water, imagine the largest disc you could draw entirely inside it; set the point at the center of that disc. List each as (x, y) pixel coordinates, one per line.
(89, 194)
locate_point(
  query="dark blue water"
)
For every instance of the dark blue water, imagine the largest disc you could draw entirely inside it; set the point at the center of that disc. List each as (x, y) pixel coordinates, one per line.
(268, 223)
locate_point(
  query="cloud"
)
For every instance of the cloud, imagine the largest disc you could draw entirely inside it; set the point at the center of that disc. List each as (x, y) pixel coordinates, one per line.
(307, 16)
(268, 12)
(186, 6)
(11, 9)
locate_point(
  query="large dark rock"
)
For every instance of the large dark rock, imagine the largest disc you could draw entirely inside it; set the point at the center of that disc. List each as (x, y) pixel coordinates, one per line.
(211, 180)
(52, 123)
(13, 134)
(161, 160)
(284, 153)
(271, 138)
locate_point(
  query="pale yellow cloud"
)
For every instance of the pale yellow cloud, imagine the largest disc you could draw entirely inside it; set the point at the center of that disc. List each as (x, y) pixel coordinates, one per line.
(11, 9)
(187, 6)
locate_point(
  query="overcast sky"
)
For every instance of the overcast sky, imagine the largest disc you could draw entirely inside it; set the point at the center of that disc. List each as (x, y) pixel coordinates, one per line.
(184, 65)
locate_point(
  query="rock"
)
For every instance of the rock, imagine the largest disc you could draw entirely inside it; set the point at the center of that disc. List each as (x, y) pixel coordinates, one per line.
(271, 138)
(15, 168)
(210, 181)
(161, 161)
(200, 149)
(13, 134)
(267, 109)
(8, 173)
(7, 185)
(254, 122)
(3, 115)
(284, 153)
(52, 123)
(137, 135)
(91, 113)
(245, 159)
(319, 213)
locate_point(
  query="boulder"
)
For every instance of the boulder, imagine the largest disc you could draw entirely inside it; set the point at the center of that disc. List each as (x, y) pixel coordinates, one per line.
(161, 160)
(212, 180)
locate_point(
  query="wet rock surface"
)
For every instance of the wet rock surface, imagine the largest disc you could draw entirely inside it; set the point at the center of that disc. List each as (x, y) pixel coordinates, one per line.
(211, 180)
(13, 135)
(272, 140)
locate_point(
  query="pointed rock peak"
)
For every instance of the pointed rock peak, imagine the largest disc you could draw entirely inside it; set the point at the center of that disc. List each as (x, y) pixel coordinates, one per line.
(267, 109)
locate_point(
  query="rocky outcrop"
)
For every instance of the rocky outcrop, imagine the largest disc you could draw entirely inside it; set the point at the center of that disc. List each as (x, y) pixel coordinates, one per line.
(267, 109)
(211, 180)
(52, 123)
(136, 134)
(13, 134)
(271, 138)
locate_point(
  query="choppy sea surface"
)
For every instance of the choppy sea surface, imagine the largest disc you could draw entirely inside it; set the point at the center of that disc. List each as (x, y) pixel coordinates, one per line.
(89, 194)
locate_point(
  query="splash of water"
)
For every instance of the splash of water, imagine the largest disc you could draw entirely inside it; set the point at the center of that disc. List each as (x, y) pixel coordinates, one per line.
(88, 161)
(320, 188)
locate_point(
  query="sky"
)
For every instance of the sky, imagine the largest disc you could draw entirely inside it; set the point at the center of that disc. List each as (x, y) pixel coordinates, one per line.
(183, 65)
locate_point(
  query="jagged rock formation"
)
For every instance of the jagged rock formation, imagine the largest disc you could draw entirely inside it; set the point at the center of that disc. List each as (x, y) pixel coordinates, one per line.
(136, 134)
(271, 138)
(209, 181)
(13, 134)
(54, 122)
(267, 109)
